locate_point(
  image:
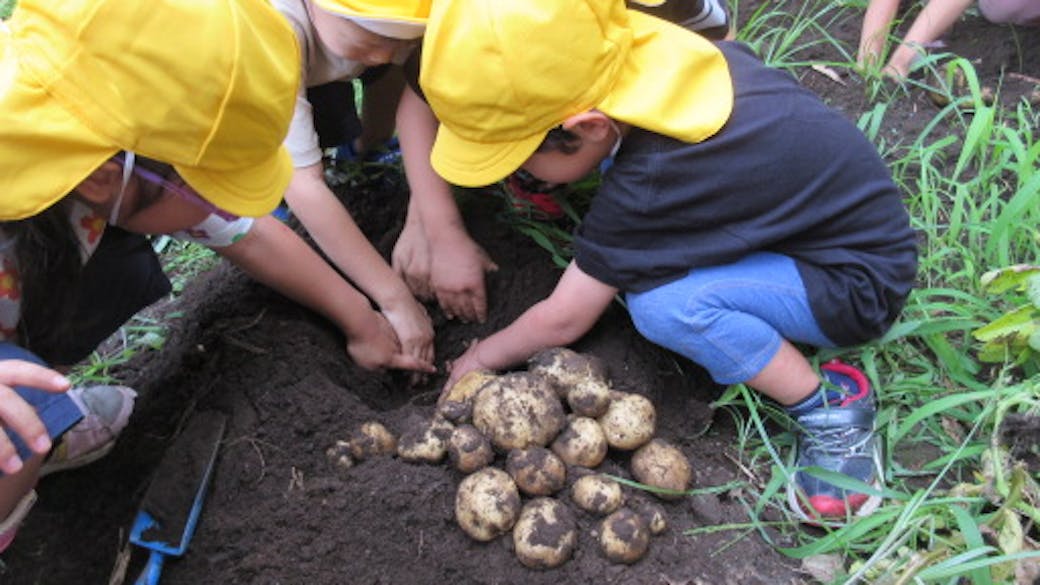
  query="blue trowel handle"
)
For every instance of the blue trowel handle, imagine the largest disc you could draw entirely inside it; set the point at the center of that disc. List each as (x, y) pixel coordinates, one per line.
(151, 571)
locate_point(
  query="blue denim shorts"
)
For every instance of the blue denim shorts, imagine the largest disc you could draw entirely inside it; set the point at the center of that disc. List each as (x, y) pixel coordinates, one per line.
(57, 411)
(730, 319)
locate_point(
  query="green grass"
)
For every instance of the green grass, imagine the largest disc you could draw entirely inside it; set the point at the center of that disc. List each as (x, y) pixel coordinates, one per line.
(6, 7)
(957, 507)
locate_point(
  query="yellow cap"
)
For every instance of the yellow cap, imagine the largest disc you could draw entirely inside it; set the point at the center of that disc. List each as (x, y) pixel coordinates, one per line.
(397, 19)
(499, 75)
(206, 85)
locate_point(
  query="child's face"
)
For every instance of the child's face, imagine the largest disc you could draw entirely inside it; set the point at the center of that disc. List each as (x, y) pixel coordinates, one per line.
(349, 40)
(555, 166)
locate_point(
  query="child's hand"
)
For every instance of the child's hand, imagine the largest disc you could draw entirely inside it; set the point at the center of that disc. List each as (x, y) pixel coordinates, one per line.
(380, 348)
(413, 328)
(465, 363)
(17, 415)
(457, 271)
(411, 260)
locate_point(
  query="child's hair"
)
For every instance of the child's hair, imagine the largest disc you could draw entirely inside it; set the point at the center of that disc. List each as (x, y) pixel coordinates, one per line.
(561, 140)
(50, 266)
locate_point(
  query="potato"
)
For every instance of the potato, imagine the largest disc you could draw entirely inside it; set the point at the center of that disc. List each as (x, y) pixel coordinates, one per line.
(487, 504)
(566, 368)
(655, 517)
(468, 449)
(589, 398)
(425, 441)
(372, 439)
(339, 455)
(518, 410)
(457, 404)
(597, 493)
(536, 471)
(629, 422)
(624, 536)
(582, 443)
(545, 534)
(661, 464)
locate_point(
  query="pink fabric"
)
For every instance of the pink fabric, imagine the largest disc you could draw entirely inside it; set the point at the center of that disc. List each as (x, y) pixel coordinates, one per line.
(1017, 12)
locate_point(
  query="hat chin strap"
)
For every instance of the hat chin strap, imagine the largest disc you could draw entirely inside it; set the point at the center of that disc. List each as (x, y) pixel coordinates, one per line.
(129, 158)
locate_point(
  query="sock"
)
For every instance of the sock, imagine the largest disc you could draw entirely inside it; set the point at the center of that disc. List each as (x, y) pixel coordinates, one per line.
(820, 396)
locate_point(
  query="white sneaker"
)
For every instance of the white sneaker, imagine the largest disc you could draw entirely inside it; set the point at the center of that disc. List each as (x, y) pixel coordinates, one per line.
(107, 410)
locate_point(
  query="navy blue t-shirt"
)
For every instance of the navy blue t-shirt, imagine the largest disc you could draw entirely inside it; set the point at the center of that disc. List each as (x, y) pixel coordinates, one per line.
(785, 174)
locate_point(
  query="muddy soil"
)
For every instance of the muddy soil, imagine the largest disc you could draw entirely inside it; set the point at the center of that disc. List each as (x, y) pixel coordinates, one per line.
(279, 512)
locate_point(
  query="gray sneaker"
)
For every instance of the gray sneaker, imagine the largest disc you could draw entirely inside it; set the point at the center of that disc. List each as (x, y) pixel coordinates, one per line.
(106, 411)
(839, 437)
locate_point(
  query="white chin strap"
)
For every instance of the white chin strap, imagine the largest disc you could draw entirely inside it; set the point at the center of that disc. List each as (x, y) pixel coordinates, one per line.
(128, 170)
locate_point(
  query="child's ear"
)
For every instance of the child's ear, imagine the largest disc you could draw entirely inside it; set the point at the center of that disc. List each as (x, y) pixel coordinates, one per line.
(593, 125)
(102, 184)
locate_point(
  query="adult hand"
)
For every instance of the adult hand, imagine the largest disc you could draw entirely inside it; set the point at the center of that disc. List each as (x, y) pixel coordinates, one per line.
(411, 259)
(19, 416)
(457, 273)
(380, 348)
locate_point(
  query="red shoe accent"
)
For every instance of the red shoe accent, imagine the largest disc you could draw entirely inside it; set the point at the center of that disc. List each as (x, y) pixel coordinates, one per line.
(862, 384)
(831, 507)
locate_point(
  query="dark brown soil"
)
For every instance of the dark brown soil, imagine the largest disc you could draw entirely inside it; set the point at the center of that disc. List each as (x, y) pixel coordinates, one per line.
(279, 511)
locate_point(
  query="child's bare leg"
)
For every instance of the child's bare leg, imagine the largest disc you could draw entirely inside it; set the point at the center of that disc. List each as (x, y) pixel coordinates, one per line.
(788, 378)
(14, 487)
(379, 109)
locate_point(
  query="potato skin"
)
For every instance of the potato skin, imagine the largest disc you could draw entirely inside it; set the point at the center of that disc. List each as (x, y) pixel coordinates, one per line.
(487, 504)
(536, 471)
(589, 398)
(469, 450)
(545, 534)
(456, 405)
(581, 443)
(370, 440)
(518, 410)
(624, 536)
(661, 464)
(597, 494)
(425, 441)
(566, 368)
(629, 422)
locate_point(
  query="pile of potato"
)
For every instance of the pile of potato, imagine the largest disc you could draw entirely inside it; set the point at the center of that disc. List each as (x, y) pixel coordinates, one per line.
(546, 427)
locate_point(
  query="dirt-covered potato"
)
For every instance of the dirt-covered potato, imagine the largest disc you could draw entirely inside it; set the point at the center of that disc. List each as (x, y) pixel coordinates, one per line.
(652, 512)
(339, 455)
(589, 398)
(597, 494)
(536, 471)
(581, 443)
(624, 536)
(487, 504)
(468, 449)
(425, 441)
(457, 404)
(518, 410)
(545, 534)
(629, 422)
(372, 439)
(566, 368)
(661, 464)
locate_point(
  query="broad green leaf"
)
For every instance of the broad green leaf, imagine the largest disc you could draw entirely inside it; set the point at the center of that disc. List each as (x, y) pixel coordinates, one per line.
(1010, 277)
(1017, 322)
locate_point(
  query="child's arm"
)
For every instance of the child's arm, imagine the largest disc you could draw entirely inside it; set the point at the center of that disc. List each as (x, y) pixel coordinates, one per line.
(274, 255)
(935, 19)
(568, 313)
(456, 263)
(877, 22)
(335, 232)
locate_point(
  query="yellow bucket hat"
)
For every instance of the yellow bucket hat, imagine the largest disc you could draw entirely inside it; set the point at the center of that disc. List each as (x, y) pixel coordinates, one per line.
(499, 75)
(397, 19)
(205, 85)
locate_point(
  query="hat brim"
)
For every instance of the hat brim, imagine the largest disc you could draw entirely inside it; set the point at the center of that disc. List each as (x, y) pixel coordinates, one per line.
(470, 163)
(248, 191)
(396, 26)
(673, 82)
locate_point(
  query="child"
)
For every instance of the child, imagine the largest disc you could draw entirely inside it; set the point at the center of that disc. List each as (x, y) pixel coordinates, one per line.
(216, 102)
(435, 254)
(338, 40)
(740, 215)
(935, 19)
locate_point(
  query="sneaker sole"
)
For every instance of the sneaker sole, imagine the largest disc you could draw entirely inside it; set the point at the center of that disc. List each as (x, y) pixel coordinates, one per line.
(85, 459)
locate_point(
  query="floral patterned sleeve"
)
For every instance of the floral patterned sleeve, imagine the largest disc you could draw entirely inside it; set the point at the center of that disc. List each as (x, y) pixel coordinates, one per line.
(218, 230)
